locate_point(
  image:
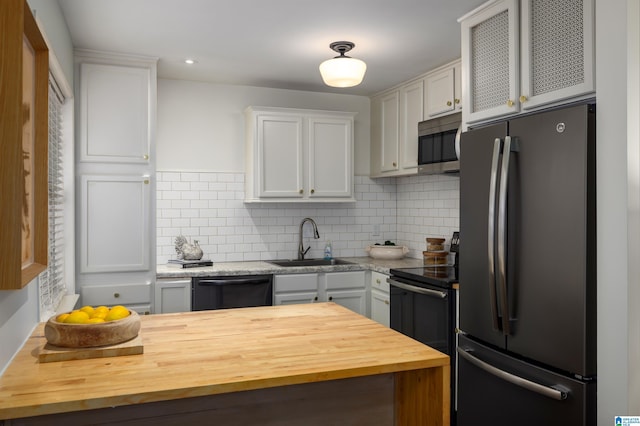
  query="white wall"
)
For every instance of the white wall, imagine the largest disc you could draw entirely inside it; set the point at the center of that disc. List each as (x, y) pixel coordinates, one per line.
(19, 308)
(49, 15)
(633, 164)
(201, 125)
(611, 158)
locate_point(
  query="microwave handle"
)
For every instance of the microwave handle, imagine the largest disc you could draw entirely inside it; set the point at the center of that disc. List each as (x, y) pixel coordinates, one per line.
(457, 141)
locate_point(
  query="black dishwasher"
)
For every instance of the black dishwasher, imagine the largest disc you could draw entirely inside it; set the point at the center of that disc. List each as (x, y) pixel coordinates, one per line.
(237, 291)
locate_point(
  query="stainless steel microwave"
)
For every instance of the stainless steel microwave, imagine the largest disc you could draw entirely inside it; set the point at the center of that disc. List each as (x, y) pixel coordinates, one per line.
(439, 144)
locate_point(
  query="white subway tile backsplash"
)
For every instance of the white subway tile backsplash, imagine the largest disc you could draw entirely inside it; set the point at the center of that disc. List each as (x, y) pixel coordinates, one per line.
(209, 207)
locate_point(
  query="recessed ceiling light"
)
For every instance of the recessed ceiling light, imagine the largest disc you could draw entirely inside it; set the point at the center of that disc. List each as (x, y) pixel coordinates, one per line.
(189, 61)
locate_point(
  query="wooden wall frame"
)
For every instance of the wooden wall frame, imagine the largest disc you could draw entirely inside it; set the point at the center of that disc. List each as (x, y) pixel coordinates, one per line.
(23, 146)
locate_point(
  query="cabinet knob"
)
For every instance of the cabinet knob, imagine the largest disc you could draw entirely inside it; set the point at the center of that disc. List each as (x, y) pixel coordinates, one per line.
(378, 281)
(146, 181)
(315, 299)
(386, 302)
(448, 103)
(116, 295)
(509, 103)
(313, 191)
(394, 164)
(301, 191)
(456, 101)
(523, 99)
(330, 298)
(145, 157)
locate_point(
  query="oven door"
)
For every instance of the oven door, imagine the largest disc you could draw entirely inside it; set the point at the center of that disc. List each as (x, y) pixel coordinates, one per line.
(422, 313)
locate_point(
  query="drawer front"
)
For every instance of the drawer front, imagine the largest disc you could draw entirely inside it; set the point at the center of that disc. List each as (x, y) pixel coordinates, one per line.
(121, 294)
(295, 282)
(342, 280)
(379, 281)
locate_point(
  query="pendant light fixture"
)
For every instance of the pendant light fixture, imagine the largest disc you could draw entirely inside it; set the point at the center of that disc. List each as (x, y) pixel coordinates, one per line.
(342, 71)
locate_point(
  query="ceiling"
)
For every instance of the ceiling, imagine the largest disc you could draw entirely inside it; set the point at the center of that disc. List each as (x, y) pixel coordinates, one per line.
(274, 43)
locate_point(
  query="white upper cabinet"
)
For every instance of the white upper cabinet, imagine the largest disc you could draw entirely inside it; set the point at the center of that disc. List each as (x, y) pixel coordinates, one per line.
(394, 130)
(412, 112)
(395, 114)
(443, 92)
(298, 155)
(557, 51)
(524, 54)
(280, 155)
(491, 61)
(389, 122)
(115, 113)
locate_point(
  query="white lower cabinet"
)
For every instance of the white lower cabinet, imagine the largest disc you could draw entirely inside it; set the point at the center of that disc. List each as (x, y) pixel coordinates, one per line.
(344, 288)
(295, 289)
(172, 295)
(133, 296)
(380, 299)
(347, 289)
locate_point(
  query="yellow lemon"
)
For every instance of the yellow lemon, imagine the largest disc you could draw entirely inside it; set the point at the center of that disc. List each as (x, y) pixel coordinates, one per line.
(94, 320)
(62, 317)
(116, 313)
(88, 309)
(101, 308)
(99, 314)
(77, 317)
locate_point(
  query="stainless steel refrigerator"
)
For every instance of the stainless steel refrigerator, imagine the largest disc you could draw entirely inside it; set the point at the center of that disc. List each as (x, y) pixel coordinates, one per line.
(527, 347)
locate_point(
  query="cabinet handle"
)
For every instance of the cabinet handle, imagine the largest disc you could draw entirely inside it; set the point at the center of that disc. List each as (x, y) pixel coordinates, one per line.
(313, 191)
(386, 302)
(116, 295)
(456, 101)
(523, 99)
(448, 103)
(301, 191)
(509, 103)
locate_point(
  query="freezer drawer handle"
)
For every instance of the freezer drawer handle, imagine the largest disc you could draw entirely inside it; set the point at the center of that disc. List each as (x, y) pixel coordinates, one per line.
(414, 289)
(511, 378)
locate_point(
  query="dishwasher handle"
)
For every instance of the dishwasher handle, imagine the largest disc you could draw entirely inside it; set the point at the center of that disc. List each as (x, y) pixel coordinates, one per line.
(415, 289)
(234, 281)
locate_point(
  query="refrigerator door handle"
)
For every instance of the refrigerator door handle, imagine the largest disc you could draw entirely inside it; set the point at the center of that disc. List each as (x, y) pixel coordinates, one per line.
(502, 236)
(547, 391)
(491, 235)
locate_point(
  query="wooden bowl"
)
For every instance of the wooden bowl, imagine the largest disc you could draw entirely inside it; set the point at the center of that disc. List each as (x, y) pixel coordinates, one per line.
(92, 335)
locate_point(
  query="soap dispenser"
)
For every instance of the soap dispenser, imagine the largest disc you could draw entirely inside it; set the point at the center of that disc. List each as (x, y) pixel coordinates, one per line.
(328, 255)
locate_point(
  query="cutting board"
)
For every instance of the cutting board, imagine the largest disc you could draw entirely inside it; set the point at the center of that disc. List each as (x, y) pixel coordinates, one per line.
(51, 353)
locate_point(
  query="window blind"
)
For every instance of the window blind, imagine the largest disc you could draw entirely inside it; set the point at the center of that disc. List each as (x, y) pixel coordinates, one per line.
(52, 280)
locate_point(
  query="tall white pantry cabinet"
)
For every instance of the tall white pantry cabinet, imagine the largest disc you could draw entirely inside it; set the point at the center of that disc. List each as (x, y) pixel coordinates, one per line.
(115, 169)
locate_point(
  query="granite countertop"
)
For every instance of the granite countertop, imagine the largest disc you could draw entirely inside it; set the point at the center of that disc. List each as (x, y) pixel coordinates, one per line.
(263, 267)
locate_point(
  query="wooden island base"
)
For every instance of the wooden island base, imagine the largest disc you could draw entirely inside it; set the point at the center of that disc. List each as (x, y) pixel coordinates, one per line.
(367, 375)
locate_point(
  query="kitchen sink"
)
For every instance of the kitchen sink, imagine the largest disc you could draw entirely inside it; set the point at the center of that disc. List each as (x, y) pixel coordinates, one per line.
(288, 263)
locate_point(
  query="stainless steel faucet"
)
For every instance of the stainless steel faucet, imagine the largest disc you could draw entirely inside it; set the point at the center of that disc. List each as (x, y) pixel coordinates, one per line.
(301, 250)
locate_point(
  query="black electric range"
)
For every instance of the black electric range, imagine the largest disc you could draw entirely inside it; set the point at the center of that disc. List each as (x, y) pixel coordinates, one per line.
(440, 276)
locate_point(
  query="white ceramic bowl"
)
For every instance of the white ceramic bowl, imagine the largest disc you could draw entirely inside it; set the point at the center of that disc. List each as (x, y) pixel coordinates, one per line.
(387, 252)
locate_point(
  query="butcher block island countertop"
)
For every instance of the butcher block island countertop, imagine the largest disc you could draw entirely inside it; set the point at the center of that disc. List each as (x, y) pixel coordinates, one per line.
(310, 364)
